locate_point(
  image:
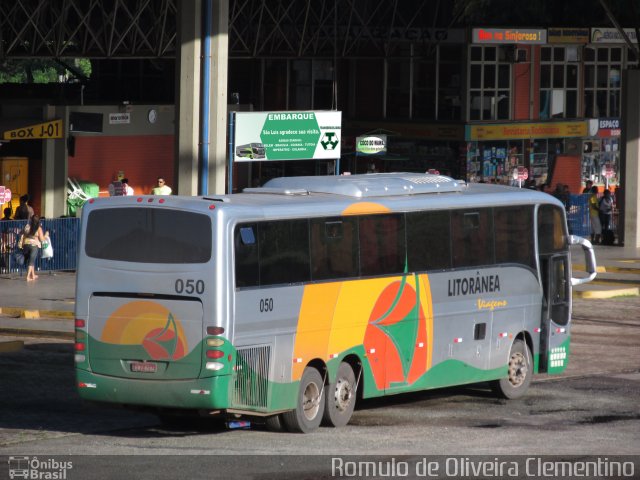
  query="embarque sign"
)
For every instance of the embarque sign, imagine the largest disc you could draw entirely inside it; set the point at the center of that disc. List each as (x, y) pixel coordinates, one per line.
(305, 135)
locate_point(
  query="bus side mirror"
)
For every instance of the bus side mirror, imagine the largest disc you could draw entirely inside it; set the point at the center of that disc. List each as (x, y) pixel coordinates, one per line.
(589, 256)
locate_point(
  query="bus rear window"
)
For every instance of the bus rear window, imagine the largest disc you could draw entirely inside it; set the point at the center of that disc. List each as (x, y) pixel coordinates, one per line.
(149, 235)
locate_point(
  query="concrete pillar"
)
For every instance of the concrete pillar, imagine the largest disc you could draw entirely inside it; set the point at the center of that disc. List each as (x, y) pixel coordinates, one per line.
(218, 112)
(54, 168)
(630, 156)
(187, 125)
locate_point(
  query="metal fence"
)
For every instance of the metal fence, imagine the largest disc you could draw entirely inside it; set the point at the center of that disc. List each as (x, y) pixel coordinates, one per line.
(64, 234)
(578, 218)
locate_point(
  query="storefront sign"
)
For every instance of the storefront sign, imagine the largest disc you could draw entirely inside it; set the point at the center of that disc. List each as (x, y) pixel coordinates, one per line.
(612, 35)
(439, 35)
(609, 127)
(427, 131)
(40, 131)
(119, 118)
(568, 35)
(521, 131)
(371, 144)
(5, 194)
(509, 35)
(607, 171)
(262, 136)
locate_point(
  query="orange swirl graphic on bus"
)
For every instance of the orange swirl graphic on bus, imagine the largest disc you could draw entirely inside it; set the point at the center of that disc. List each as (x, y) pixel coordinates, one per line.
(150, 325)
(396, 337)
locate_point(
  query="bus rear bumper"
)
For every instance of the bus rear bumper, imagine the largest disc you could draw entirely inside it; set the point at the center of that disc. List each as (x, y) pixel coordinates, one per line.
(198, 393)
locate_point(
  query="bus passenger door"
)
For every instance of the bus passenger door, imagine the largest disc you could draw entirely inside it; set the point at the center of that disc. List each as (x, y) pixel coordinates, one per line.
(556, 311)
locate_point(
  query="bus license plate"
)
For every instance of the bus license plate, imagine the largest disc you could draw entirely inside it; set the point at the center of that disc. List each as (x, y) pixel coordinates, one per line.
(144, 367)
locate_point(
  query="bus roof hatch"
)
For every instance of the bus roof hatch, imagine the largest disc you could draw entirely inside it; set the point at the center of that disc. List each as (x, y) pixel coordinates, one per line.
(362, 186)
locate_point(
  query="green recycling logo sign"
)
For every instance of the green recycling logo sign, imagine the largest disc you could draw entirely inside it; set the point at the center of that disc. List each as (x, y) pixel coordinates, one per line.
(313, 135)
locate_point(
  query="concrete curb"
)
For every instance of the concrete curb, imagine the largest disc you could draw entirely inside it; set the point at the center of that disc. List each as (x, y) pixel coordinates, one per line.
(600, 294)
(30, 332)
(11, 346)
(19, 312)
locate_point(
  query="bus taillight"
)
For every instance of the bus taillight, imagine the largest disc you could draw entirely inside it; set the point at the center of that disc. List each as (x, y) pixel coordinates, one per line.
(215, 354)
(81, 338)
(215, 330)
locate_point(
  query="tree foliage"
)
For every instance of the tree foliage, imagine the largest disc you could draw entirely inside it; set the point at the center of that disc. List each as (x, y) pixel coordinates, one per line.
(41, 70)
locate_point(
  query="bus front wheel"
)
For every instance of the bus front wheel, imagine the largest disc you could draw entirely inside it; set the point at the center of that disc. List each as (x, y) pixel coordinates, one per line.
(310, 404)
(520, 371)
(341, 397)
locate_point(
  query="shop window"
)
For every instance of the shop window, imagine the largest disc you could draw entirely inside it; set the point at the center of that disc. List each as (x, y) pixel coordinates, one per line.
(602, 82)
(489, 83)
(558, 84)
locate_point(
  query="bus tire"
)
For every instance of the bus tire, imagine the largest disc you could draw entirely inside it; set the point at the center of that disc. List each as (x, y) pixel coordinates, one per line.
(307, 415)
(274, 423)
(520, 372)
(340, 398)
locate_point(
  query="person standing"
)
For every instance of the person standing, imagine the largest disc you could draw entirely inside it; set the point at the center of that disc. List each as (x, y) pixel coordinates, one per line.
(606, 209)
(162, 188)
(24, 211)
(594, 215)
(127, 189)
(32, 242)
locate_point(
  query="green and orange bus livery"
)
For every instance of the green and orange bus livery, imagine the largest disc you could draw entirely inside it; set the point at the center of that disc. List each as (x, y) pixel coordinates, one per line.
(292, 301)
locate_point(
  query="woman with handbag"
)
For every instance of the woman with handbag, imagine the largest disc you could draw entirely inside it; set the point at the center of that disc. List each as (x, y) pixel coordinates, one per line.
(32, 241)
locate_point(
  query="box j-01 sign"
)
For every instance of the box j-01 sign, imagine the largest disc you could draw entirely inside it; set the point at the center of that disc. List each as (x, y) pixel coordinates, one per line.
(40, 131)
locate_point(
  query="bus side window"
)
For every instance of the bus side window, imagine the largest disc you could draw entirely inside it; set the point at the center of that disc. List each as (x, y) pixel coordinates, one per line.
(382, 244)
(472, 237)
(514, 235)
(551, 231)
(334, 248)
(284, 252)
(428, 241)
(246, 256)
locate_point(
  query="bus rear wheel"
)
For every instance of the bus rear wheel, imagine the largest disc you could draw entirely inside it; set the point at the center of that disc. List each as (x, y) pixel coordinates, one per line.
(341, 398)
(310, 404)
(516, 384)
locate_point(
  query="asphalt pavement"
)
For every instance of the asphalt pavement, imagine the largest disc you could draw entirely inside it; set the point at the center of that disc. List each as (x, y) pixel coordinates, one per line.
(46, 305)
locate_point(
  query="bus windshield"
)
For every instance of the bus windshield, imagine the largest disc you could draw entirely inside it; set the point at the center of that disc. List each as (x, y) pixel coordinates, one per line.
(149, 235)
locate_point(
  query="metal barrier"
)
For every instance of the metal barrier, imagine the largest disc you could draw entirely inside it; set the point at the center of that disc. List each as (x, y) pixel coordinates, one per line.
(578, 218)
(64, 234)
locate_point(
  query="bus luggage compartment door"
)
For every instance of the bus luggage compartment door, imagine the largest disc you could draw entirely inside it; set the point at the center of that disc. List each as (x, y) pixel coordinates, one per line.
(145, 338)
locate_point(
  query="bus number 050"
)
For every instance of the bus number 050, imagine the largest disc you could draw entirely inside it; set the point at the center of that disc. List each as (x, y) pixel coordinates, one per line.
(266, 305)
(190, 286)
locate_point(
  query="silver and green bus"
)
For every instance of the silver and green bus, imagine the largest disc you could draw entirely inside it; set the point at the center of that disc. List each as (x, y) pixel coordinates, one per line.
(290, 302)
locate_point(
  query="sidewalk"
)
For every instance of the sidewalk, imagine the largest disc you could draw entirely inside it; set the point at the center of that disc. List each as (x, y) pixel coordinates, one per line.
(47, 305)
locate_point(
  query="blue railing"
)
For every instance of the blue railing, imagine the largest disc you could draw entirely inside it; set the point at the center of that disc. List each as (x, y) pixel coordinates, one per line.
(64, 234)
(578, 218)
